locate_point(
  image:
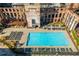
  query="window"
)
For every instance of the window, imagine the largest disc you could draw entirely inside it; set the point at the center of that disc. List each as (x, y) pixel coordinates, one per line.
(56, 15)
(55, 20)
(9, 9)
(13, 9)
(54, 9)
(45, 16)
(61, 9)
(49, 16)
(11, 15)
(7, 13)
(63, 15)
(2, 9)
(60, 15)
(57, 9)
(33, 21)
(15, 14)
(4, 14)
(52, 15)
(17, 10)
(58, 19)
(6, 9)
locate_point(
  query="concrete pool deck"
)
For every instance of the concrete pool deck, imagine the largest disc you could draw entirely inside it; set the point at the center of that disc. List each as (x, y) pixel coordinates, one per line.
(25, 35)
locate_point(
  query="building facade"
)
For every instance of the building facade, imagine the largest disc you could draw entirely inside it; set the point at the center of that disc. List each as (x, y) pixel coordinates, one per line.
(71, 19)
(9, 13)
(49, 15)
(36, 14)
(32, 12)
(12, 14)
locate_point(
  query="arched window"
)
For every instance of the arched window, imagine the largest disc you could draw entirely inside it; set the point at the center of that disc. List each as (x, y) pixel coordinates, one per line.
(60, 15)
(17, 10)
(6, 9)
(2, 9)
(13, 9)
(9, 9)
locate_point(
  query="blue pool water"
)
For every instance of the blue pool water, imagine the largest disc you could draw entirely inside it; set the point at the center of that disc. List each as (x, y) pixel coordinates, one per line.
(47, 39)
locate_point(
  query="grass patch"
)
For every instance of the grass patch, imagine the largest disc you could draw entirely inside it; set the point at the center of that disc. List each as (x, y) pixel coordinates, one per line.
(75, 36)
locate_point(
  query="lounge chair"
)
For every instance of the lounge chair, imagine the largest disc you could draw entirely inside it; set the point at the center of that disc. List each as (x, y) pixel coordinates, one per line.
(54, 51)
(62, 51)
(58, 50)
(19, 35)
(71, 50)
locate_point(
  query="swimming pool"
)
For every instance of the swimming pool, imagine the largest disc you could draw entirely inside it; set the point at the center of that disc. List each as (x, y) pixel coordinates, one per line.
(47, 39)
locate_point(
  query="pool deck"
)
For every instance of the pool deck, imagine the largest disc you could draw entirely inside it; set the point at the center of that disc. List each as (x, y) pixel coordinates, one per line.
(25, 35)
